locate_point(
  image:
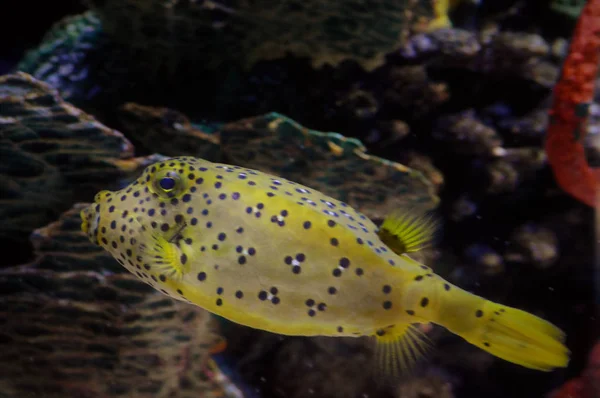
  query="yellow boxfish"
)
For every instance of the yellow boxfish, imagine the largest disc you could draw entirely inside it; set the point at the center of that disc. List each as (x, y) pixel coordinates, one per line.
(275, 255)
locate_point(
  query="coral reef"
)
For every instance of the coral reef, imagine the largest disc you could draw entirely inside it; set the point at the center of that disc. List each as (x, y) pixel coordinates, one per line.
(177, 31)
(591, 140)
(168, 131)
(96, 69)
(426, 387)
(54, 155)
(513, 166)
(489, 262)
(411, 89)
(164, 49)
(465, 134)
(573, 94)
(533, 245)
(296, 367)
(572, 8)
(588, 384)
(456, 46)
(329, 162)
(75, 323)
(64, 59)
(493, 52)
(78, 281)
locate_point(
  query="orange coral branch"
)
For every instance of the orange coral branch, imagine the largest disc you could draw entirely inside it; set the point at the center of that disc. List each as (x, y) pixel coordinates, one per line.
(588, 384)
(573, 94)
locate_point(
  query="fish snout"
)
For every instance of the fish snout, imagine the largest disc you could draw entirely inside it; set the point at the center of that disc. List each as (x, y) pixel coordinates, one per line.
(90, 217)
(85, 219)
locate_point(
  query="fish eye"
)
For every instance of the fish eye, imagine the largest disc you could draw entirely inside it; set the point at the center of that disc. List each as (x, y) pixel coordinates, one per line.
(168, 183)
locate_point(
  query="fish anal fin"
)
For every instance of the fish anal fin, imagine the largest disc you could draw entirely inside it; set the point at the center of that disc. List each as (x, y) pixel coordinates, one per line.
(398, 350)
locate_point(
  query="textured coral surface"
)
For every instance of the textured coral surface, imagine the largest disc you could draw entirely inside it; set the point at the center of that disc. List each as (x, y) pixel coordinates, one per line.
(325, 32)
(54, 154)
(273, 143)
(74, 323)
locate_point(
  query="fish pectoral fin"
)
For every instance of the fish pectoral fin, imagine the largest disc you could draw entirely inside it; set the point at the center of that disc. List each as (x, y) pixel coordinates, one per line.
(161, 252)
(399, 348)
(407, 232)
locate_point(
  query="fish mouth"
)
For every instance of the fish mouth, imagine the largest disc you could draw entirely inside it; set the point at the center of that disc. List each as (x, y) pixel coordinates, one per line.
(90, 219)
(83, 214)
(175, 235)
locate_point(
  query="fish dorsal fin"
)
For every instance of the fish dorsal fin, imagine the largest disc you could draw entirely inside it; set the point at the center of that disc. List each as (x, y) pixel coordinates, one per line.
(398, 350)
(405, 232)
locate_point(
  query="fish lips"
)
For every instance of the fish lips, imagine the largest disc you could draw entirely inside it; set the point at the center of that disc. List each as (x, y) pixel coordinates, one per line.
(90, 220)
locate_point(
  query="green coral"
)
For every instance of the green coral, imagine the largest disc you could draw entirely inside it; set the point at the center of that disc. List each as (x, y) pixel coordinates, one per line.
(572, 8)
(76, 58)
(73, 31)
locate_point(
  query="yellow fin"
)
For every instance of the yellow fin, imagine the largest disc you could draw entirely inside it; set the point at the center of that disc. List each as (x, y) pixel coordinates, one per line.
(398, 350)
(405, 233)
(160, 253)
(441, 9)
(522, 338)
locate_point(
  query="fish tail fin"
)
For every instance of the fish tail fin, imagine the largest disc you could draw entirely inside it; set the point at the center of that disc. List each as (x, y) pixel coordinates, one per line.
(508, 333)
(441, 20)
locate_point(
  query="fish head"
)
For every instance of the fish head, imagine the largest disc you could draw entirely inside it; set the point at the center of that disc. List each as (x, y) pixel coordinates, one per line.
(152, 209)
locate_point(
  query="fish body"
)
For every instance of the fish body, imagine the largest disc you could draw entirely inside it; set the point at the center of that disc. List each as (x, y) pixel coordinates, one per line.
(275, 255)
